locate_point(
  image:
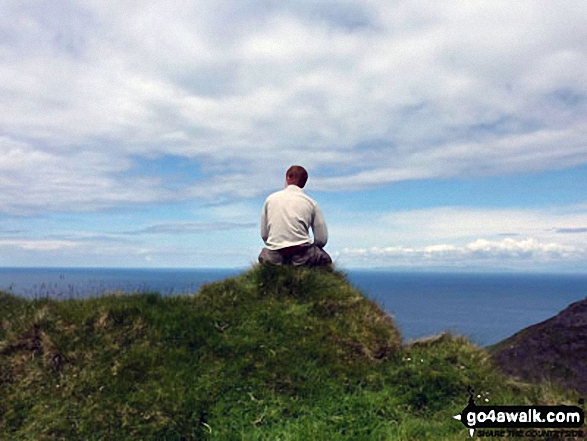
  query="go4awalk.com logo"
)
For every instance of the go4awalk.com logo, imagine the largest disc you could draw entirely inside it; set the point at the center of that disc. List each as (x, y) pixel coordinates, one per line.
(516, 420)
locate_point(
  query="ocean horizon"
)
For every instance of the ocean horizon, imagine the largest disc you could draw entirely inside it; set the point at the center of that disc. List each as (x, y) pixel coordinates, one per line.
(485, 307)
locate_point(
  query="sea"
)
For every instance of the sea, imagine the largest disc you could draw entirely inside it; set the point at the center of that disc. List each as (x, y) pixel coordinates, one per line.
(484, 307)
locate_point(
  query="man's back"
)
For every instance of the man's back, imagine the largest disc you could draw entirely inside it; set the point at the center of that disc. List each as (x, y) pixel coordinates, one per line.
(287, 217)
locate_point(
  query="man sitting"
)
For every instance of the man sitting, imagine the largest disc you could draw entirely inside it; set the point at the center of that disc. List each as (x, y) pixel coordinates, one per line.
(286, 219)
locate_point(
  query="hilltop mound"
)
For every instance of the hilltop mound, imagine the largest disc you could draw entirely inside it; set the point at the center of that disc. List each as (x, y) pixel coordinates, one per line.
(275, 353)
(301, 311)
(555, 349)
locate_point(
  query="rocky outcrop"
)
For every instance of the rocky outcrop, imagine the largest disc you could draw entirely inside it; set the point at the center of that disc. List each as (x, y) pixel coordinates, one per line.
(555, 349)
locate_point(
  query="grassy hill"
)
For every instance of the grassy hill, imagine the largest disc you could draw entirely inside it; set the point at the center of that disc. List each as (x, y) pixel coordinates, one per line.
(274, 354)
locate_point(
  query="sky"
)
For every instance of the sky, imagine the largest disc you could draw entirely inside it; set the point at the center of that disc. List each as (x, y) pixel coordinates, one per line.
(437, 135)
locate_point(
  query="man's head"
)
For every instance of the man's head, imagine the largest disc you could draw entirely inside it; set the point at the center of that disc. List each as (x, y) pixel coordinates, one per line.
(296, 175)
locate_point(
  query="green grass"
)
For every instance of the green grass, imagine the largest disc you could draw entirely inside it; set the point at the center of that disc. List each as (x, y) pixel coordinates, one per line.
(278, 353)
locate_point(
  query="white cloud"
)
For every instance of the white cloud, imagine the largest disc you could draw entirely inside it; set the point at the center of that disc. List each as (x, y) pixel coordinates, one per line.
(524, 248)
(33, 180)
(377, 91)
(38, 245)
(190, 228)
(509, 252)
(460, 227)
(101, 252)
(462, 236)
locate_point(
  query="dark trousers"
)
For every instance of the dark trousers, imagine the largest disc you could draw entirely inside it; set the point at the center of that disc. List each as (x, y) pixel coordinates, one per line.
(309, 255)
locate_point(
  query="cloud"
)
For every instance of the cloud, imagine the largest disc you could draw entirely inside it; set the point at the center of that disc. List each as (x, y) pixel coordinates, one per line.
(34, 180)
(97, 251)
(524, 248)
(459, 236)
(191, 227)
(39, 245)
(571, 230)
(506, 252)
(461, 224)
(506, 154)
(8, 231)
(373, 92)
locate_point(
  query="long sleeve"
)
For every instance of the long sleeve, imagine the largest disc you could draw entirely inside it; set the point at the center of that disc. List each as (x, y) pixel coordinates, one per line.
(264, 229)
(319, 228)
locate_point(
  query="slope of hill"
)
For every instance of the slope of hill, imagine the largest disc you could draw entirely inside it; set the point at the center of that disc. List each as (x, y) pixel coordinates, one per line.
(274, 354)
(554, 350)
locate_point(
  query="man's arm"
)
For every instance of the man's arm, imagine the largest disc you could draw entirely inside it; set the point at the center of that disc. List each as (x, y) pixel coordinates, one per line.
(264, 229)
(319, 228)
